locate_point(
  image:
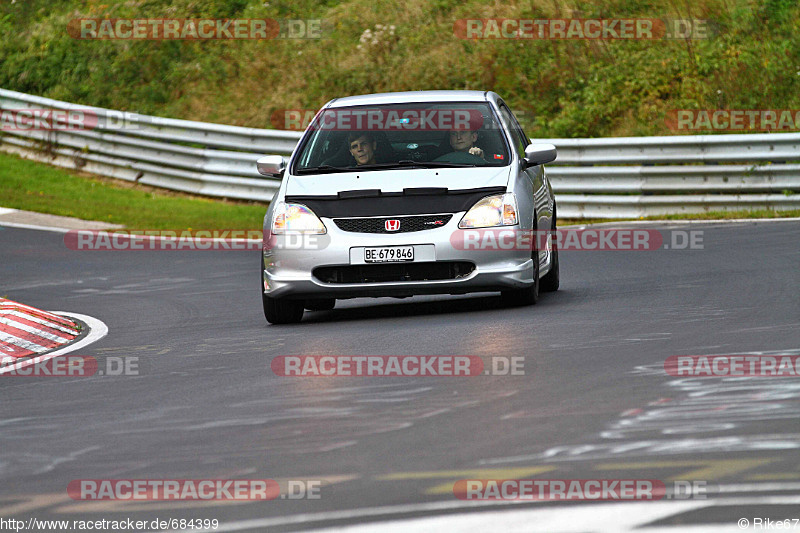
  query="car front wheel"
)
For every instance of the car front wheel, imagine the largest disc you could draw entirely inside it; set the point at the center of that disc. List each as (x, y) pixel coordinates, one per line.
(528, 296)
(550, 281)
(282, 311)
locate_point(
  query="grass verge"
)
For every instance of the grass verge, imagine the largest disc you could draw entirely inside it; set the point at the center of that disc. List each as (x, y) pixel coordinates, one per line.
(33, 186)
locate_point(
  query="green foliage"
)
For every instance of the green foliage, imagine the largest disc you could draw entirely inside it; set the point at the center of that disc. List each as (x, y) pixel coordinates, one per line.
(777, 10)
(578, 88)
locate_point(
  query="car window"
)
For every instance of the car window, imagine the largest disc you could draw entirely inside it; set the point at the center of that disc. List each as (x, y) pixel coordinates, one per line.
(394, 136)
(521, 141)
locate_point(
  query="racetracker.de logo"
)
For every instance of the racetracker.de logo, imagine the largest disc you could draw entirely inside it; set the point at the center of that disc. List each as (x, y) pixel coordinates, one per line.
(401, 119)
(70, 366)
(559, 489)
(292, 119)
(47, 119)
(733, 119)
(66, 366)
(165, 240)
(395, 366)
(594, 239)
(733, 365)
(579, 489)
(174, 489)
(570, 29)
(39, 119)
(194, 29)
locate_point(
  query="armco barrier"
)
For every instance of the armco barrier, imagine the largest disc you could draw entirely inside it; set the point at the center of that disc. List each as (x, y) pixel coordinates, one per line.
(625, 177)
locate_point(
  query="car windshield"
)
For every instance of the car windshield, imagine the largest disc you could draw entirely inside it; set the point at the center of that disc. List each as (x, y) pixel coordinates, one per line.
(392, 136)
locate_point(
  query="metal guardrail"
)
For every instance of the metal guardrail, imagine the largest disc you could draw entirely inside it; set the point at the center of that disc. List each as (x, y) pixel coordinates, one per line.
(625, 177)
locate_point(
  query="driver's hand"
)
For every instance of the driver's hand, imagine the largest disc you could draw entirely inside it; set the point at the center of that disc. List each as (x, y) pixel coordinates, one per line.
(476, 151)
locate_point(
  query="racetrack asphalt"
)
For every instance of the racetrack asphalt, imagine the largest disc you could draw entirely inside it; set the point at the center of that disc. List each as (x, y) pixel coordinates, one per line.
(594, 400)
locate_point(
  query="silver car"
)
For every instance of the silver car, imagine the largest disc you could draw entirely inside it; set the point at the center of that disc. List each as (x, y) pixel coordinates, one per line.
(402, 194)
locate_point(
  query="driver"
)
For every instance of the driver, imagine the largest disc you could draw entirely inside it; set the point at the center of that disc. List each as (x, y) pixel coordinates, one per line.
(362, 147)
(464, 141)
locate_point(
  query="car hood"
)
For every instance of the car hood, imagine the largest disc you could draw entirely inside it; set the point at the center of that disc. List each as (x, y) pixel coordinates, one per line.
(397, 180)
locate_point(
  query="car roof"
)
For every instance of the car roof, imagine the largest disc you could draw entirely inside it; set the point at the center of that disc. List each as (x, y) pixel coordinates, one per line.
(412, 97)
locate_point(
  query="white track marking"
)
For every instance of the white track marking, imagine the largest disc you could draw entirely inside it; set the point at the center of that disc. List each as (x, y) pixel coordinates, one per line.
(54, 229)
(569, 519)
(759, 487)
(619, 517)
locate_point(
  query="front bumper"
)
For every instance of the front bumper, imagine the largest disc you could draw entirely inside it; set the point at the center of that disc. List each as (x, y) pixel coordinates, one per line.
(289, 263)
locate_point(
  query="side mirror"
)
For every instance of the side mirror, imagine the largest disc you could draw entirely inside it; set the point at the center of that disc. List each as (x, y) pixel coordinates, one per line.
(539, 154)
(271, 165)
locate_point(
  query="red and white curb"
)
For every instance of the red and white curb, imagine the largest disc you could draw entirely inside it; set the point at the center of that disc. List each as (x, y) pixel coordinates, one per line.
(26, 331)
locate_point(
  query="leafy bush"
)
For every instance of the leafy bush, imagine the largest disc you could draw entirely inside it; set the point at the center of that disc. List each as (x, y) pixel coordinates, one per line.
(585, 88)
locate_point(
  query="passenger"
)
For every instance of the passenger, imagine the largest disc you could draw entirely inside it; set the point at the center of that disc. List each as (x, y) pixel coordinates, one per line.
(362, 147)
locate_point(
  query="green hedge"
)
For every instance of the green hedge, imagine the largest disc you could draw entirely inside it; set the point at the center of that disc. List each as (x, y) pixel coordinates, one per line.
(560, 88)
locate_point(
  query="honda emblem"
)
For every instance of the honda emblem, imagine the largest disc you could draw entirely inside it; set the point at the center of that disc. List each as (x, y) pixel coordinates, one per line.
(391, 224)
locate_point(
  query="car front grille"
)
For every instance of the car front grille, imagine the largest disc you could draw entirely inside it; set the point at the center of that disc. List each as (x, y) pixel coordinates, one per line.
(427, 271)
(378, 224)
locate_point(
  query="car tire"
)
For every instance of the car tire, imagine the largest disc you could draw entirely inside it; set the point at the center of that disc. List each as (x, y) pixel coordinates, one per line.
(280, 310)
(550, 281)
(527, 296)
(320, 304)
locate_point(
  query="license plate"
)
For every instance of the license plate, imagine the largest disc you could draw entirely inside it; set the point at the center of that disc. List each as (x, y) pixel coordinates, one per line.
(389, 254)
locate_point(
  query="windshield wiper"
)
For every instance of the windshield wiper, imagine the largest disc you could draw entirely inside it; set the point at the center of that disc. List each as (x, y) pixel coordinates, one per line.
(323, 169)
(410, 163)
(443, 164)
(403, 163)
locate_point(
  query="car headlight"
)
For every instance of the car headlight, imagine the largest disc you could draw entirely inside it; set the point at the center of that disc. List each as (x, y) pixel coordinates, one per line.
(499, 210)
(296, 218)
